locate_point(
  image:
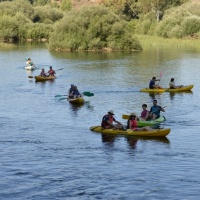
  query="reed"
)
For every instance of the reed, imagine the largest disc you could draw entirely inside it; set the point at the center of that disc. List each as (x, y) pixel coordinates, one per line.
(154, 41)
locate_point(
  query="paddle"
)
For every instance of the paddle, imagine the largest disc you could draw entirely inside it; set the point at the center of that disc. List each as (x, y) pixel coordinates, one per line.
(34, 76)
(88, 94)
(160, 78)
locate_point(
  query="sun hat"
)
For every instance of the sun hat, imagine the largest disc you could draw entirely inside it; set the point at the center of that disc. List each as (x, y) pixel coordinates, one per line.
(111, 112)
(132, 114)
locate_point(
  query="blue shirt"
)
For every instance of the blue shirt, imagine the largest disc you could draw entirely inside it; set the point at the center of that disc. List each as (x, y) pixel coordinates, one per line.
(151, 84)
(155, 110)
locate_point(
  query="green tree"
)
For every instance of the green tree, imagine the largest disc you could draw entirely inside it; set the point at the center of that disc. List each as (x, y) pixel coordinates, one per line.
(92, 28)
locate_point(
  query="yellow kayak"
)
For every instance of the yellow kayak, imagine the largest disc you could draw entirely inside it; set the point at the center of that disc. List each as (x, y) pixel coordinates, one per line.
(79, 100)
(182, 89)
(153, 90)
(154, 133)
(45, 78)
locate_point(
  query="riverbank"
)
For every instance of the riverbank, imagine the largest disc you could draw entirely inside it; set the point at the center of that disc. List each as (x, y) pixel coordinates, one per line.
(154, 41)
(147, 42)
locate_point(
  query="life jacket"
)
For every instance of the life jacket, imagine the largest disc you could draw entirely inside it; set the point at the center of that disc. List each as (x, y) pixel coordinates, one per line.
(51, 72)
(134, 124)
(104, 122)
(144, 114)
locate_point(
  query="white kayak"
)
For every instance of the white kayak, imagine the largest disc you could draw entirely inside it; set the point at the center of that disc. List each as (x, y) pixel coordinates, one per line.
(30, 67)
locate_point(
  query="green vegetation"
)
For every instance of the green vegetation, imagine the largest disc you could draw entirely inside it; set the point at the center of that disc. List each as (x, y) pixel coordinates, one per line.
(111, 26)
(92, 28)
(154, 41)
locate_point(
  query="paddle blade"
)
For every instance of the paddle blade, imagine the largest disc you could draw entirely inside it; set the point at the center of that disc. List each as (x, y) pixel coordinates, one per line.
(63, 98)
(31, 76)
(60, 95)
(125, 116)
(89, 94)
(59, 69)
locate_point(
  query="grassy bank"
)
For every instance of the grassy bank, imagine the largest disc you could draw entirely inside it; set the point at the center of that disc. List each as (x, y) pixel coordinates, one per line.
(153, 41)
(7, 45)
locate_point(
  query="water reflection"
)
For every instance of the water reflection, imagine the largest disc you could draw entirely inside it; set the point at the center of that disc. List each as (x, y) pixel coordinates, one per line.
(108, 139)
(154, 95)
(132, 142)
(76, 107)
(173, 94)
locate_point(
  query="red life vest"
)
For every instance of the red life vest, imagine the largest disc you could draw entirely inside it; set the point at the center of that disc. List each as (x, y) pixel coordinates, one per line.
(104, 122)
(134, 124)
(144, 114)
(51, 72)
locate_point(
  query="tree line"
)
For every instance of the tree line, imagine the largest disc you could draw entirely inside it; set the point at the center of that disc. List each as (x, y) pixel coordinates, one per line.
(113, 25)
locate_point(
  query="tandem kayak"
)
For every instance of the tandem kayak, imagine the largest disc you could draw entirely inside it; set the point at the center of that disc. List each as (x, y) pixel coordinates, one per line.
(147, 123)
(154, 133)
(181, 89)
(151, 122)
(78, 100)
(30, 67)
(44, 78)
(153, 90)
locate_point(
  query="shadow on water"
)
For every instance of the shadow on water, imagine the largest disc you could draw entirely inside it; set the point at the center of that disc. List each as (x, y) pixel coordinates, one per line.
(173, 94)
(76, 107)
(154, 95)
(132, 140)
(108, 139)
(156, 139)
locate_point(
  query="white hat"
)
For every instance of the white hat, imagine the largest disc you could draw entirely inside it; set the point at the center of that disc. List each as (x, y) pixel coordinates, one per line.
(111, 112)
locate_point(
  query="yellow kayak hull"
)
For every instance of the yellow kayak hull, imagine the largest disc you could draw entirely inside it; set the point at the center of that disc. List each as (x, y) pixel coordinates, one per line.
(153, 90)
(79, 100)
(182, 89)
(154, 133)
(46, 78)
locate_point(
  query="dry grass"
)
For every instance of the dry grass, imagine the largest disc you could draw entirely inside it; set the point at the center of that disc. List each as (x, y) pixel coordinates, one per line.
(153, 41)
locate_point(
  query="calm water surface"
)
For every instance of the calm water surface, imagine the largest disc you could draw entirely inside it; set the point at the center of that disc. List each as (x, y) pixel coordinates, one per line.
(47, 150)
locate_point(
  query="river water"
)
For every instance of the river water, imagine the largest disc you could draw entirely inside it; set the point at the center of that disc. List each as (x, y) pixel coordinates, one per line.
(47, 150)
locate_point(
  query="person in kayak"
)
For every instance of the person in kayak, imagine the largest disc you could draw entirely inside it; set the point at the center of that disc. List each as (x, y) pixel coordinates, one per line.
(51, 71)
(29, 62)
(145, 113)
(155, 110)
(172, 84)
(132, 124)
(152, 83)
(75, 93)
(42, 73)
(108, 119)
(71, 89)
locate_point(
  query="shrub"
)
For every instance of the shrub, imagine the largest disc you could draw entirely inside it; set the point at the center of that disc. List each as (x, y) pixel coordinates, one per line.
(38, 31)
(93, 28)
(190, 25)
(44, 13)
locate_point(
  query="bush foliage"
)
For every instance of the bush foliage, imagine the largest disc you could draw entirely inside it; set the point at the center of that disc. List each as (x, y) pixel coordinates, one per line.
(92, 28)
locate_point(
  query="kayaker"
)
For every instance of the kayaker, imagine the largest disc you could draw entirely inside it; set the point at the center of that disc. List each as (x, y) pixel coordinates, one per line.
(155, 110)
(75, 93)
(108, 119)
(42, 73)
(71, 89)
(132, 124)
(145, 113)
(152, 83)
(172, 84)
(51, 71)
(29, 62)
